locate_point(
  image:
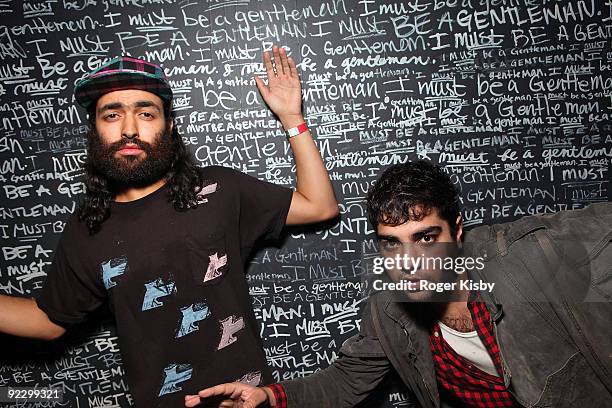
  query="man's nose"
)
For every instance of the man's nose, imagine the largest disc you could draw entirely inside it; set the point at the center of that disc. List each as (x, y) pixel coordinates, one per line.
(129, 130)
(411, 250)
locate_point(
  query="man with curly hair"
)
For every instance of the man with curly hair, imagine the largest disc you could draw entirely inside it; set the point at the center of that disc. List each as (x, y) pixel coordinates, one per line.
(164, 243)
(512, 345)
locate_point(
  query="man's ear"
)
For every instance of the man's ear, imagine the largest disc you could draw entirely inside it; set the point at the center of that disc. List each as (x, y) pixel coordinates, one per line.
(458, 228)
(170, 124)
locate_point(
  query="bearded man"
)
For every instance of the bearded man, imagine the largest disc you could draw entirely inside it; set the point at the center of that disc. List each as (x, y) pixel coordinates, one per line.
(164, 243)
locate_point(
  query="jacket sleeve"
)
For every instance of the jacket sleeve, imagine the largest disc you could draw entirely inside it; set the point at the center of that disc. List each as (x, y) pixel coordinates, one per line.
(360, 367)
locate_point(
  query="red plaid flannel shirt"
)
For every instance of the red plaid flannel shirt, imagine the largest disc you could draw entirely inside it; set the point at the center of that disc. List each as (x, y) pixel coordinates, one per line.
(462, 379)
(279, 394)
(455, 374)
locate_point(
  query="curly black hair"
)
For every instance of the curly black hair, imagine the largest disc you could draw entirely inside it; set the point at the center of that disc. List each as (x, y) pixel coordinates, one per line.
(408, 192)
(184, 181)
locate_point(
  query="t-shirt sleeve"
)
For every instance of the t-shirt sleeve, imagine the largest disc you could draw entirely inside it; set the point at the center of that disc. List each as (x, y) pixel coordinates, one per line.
(263, 209)
(68, 294)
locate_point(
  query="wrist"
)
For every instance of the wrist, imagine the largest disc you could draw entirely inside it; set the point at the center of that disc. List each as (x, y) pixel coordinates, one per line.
(271, 399)
(289, 121)
(298, 130)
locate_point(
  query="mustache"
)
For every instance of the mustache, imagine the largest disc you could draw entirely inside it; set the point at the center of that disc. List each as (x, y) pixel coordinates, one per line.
(116, 146)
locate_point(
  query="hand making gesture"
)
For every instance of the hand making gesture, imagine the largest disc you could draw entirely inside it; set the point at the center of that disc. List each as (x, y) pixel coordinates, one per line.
(233, 395)
(283, 93)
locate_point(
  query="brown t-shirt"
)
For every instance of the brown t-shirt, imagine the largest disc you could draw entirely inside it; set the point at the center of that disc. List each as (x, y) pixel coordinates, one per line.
(175, 284)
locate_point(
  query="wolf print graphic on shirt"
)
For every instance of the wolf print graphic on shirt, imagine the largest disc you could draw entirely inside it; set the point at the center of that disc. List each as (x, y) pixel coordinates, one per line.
(214, 266)
(253, 378)
(155, 290)
(229, 327)
(192, 314)
(112, 269)
(206, 190)
(174, 374)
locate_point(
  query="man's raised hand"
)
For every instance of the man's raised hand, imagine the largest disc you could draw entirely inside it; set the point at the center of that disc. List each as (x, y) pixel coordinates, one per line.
(283, 93)
(313, 199)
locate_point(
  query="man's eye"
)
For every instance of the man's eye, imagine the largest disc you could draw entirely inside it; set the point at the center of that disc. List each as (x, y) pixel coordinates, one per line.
(428, 239)
(111, 116)
(149, 115)
(389, 245)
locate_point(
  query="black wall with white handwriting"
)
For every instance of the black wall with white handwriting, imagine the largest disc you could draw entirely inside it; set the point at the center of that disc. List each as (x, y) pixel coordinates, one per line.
(512, 97)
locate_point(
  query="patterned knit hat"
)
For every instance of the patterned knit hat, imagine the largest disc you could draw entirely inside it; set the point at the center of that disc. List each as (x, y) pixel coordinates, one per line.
(122, 73)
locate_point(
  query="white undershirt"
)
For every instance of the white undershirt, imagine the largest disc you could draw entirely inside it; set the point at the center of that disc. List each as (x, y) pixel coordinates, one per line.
(469, 346)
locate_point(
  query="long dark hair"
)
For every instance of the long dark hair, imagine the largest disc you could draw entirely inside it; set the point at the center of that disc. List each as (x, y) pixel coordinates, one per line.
(184, 181)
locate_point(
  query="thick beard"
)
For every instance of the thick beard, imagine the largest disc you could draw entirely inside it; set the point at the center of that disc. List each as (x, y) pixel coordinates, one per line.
(132, 171)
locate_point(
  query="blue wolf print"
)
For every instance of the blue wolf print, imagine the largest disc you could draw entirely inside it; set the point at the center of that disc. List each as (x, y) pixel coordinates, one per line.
(155, 290)
(173, 375)
(191, 315)
(111, 269)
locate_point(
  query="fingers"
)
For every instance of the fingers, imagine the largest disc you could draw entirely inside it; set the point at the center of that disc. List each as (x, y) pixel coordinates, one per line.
(282, 64)
(268, 64)
(282, 75)
(292, 67)
(229, 391)
(226, 389)
(263, 88)
(192, 400)
(277, 60)
(282, 53)
(230, 395)
(250, 404)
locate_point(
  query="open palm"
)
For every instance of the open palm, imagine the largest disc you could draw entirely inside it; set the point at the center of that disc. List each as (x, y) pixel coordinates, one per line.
(283, 93)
